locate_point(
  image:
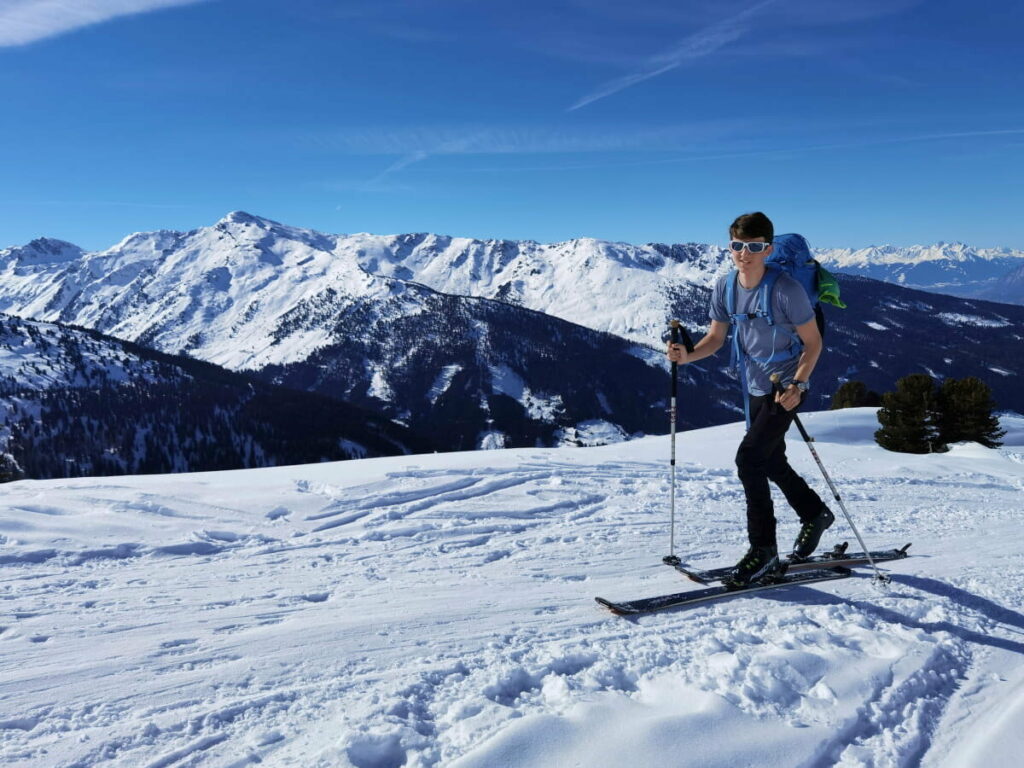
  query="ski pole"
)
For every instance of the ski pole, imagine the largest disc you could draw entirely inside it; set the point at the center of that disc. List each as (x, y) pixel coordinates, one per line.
(675, 332)
(879, 578)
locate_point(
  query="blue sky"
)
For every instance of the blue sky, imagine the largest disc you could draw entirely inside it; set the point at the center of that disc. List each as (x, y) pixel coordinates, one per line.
(855, 123)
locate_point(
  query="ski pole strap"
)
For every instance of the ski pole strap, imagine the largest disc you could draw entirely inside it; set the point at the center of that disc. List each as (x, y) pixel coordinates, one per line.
(677, 333)
(687, 341)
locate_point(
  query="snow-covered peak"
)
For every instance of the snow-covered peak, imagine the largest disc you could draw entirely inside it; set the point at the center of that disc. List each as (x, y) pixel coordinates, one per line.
(141, 246)
(241, 217)
(915, 254)
(244, 228)
(42, 250)
(222, 292)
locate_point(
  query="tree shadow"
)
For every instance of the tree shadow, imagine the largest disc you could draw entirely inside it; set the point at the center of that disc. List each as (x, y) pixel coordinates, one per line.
(969, 600)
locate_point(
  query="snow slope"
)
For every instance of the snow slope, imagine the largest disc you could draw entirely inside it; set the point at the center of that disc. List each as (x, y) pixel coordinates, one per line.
(438, 610)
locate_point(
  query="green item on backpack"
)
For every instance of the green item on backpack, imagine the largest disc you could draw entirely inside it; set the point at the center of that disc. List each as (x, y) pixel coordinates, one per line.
(828, 288)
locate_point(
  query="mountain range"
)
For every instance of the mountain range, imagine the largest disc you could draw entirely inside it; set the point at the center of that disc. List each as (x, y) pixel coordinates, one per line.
(479, 343)
(956, 269)
(282, 303)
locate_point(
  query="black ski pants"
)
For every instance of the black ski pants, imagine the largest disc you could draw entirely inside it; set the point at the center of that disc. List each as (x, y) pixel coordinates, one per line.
(762, 457)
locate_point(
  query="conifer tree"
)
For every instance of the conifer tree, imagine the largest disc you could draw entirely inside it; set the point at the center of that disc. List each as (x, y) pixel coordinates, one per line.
(910, 417)
(855, 394)
(9, 469)
(967, 413)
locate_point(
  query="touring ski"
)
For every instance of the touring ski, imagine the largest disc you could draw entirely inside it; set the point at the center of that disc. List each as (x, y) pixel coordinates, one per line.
(838, 556)
(661, 602)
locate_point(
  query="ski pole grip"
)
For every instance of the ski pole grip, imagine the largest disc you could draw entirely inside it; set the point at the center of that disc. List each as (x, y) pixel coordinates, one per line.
(777, 387)
(677, 330)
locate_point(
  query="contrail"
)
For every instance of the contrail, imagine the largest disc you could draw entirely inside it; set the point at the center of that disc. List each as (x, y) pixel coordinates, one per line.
(696, 46)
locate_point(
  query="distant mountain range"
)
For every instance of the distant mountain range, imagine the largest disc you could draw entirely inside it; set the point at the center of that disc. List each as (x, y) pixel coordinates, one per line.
(956, 269)
(481, 343)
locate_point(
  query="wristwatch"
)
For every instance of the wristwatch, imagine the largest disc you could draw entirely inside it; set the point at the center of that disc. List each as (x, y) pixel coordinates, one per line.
(803, 386)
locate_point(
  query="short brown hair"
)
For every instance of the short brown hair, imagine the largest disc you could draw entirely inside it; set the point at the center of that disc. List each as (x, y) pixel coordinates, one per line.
(751, 225)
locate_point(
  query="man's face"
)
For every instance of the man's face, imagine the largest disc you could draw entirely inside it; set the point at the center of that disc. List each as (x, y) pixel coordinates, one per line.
(745, 261)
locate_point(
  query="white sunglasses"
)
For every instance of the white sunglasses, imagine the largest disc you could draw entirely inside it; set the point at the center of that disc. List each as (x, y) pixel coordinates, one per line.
(739, 245)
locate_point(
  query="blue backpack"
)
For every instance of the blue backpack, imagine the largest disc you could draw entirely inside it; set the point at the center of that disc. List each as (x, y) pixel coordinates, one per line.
(790, 255)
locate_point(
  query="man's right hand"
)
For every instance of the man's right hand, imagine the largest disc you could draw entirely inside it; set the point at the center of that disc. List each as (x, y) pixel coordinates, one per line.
(676, 353)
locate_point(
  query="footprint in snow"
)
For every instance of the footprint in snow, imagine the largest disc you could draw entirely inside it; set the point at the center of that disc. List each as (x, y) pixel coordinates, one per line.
(178, 643)
(376, 751)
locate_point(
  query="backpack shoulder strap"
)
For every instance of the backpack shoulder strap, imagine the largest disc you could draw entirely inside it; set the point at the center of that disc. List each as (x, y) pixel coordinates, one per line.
(730, 295)
(765, 293)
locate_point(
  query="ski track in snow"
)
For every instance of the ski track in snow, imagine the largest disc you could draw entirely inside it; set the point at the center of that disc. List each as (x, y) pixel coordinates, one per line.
(438, 610)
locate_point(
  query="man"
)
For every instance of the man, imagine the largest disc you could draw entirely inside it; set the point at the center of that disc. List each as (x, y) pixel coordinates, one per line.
(768, 350)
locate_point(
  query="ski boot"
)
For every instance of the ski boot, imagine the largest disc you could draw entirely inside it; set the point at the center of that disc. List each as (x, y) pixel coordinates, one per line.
(759, 565)
(810, 534)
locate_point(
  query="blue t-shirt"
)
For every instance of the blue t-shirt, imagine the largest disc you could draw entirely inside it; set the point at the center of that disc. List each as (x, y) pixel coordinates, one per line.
(790, 307)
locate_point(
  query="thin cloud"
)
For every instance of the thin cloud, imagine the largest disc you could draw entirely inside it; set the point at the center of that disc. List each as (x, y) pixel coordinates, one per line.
(460, 145)
(505, 140)
(699, 141)
(404, 162)
(716, 154)
(26, 21)
(698, 45)
(958, 135)
(415, 146)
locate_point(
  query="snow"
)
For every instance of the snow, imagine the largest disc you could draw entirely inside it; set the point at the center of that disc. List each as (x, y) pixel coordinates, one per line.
(599, 284)
(952, 318)
(34, 356)
(42, 251)
(491, 440)
(438, 610)
(442, 382)
(538, 406)
(590, 432)
(379, 386)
